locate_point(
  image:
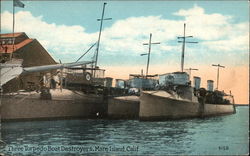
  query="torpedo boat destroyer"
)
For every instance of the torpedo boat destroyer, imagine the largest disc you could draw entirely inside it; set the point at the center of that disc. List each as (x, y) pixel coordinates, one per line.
(176, 98)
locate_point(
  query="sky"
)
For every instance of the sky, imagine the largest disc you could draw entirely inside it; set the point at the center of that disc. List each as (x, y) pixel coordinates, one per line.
(68, 28)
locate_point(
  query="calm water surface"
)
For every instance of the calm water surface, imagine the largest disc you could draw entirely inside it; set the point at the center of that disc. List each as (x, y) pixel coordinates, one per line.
(224, 135)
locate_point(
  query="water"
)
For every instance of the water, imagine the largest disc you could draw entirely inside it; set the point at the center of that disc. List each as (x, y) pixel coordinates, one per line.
(224, 135)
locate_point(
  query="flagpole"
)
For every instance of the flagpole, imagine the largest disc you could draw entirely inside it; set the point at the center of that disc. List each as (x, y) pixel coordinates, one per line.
(0, 22)
(13, 29)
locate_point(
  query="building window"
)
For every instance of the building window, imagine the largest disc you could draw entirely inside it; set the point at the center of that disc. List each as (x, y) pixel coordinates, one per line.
(10, 41)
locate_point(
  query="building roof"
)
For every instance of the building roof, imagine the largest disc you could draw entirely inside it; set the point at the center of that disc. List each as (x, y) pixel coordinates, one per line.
(8, 35)
(8, 48)
(6, 40)
(21, 40)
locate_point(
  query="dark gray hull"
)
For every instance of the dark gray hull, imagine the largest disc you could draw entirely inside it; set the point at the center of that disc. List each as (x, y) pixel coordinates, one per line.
(155, 107)
(125, 107)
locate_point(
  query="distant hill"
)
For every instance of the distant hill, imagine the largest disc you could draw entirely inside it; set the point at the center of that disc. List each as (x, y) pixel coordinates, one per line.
(241, 104)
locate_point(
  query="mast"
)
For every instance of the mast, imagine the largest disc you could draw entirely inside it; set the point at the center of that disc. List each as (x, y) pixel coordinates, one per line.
(218, 72)
(100, 32)
(183, 45)
(190, 70)
(183, 48)
(149, 50)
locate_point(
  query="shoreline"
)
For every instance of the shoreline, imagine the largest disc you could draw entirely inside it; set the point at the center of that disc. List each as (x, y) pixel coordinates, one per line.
(241, 105)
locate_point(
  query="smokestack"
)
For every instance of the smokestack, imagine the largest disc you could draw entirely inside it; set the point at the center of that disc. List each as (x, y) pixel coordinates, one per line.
(197, 82)
(210, 85)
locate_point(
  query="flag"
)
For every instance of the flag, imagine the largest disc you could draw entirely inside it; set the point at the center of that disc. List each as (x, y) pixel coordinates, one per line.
(18, 3)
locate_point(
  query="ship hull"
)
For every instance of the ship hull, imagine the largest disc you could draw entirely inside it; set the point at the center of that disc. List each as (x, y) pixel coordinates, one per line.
(154, 107)
(65, 104)
(124, 107)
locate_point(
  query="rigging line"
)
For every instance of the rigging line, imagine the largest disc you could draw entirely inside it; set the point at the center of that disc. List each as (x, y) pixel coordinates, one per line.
(86, 52)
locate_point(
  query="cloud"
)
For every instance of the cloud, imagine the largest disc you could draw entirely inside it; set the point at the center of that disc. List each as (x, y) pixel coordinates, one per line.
(237, 43)
(58, 39)
(205, 26)
(131, 33)
(215, 32)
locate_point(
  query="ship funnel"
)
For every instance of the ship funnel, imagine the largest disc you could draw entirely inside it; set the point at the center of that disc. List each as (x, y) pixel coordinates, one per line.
(210, 85)
(197, 82)
(120, 83)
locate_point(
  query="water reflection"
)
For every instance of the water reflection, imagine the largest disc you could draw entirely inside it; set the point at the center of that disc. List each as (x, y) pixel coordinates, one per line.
(101, 132)
(194, 136)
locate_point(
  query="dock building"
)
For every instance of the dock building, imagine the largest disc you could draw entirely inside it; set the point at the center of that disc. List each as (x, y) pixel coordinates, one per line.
(31, 52)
